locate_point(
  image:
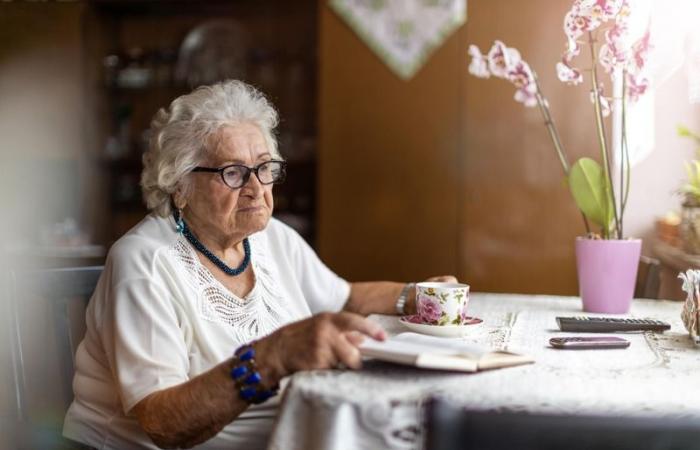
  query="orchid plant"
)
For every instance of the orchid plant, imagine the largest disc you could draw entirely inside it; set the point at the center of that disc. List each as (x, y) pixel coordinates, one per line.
(691, 188)
(620, 56)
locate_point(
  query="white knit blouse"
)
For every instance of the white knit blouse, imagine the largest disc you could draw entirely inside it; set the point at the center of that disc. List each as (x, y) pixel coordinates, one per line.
(159, 318)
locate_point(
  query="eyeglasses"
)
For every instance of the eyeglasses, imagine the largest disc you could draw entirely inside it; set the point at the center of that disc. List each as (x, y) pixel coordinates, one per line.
(237, 175)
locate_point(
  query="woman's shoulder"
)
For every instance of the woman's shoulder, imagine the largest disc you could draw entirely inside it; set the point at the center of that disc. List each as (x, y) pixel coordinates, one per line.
(279, 233)
(144, 240)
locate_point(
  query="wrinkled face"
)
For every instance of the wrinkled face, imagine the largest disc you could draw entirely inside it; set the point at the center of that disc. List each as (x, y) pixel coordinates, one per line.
(215, 210)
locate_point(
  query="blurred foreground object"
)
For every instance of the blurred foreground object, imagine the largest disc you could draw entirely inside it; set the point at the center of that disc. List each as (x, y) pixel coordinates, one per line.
(691, 286)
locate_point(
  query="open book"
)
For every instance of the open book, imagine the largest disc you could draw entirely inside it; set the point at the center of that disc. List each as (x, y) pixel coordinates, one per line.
(439, 353)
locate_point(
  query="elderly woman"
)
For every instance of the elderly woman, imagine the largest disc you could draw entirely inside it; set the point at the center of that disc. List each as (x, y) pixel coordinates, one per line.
(208, 303)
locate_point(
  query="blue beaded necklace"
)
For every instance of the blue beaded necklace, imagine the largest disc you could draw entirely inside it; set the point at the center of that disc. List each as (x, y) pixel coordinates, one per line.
(182, 228)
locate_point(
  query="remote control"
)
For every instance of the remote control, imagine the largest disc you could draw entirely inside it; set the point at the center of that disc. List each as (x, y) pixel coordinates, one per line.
(609, 324)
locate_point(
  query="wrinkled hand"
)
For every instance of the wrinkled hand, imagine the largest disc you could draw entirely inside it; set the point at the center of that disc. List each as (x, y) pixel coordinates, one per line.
(411, 300)
(320, 342)
(444, 279)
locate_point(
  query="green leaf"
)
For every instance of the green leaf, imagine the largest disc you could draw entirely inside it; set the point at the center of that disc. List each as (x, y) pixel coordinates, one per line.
(691, 189)
(587, 185)
(683, 131)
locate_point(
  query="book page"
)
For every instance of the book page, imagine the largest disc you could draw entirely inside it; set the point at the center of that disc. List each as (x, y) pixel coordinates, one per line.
(414, 344)
(438, 352)
(442, 345)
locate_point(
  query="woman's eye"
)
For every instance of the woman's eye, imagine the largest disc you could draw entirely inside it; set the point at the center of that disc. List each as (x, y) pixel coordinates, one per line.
(233, 175)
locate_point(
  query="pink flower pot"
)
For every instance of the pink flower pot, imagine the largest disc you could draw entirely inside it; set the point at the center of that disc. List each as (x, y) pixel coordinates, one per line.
(607, 271)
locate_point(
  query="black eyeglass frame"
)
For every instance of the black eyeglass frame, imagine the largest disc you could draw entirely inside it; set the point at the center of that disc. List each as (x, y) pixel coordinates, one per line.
(248, 170)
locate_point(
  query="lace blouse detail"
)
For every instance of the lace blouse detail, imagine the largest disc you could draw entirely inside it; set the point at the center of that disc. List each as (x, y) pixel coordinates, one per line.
(261, 312)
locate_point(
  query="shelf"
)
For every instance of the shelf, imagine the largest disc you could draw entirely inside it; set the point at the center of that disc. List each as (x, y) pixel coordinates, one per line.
(674, 257)
(132, 53)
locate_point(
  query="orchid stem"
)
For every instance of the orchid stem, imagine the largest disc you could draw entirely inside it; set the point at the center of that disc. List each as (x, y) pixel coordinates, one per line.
(602, 140)
(625, 152)
(554, 135)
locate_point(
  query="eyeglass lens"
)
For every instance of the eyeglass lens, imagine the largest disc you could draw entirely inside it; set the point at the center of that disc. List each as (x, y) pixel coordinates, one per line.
(267, 173)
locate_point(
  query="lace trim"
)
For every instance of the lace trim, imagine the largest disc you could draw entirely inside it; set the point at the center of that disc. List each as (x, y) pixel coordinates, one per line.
(261, 312)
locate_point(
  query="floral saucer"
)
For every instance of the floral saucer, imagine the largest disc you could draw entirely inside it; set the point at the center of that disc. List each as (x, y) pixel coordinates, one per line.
(415, 324)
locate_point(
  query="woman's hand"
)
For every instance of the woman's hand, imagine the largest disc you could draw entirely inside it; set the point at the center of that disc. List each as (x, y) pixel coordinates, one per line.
(411, 299)
(320, 342)
(443, 279)
(379, 297)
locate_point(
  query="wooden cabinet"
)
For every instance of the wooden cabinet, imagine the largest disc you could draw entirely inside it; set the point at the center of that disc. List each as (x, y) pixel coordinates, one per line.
(141, 55)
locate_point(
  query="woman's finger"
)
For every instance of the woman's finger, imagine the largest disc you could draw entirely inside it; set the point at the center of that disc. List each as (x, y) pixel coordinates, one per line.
(346, 352)
(443, 279)
(355, 338)
(346, 321)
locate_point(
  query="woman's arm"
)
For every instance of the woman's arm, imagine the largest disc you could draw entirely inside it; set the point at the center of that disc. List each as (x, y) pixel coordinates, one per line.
(379, 297)
(195, 411)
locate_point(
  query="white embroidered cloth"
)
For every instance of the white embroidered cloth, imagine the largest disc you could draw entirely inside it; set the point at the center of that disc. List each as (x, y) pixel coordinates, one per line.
(379, 407)
(402, 33)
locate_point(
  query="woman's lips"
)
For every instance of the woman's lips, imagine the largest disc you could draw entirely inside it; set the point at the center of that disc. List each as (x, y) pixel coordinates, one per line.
(250, 209)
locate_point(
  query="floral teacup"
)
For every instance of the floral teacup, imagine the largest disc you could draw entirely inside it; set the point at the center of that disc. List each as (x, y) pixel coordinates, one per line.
(442, 303)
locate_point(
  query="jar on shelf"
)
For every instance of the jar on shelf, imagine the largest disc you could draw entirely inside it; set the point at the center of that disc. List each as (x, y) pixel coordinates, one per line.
(136, 73)
(690, 226)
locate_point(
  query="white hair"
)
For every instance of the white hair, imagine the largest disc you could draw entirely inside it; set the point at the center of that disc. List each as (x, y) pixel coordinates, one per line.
(180, 136)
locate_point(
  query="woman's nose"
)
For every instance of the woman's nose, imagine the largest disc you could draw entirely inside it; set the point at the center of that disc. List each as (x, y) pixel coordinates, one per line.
(253, 184)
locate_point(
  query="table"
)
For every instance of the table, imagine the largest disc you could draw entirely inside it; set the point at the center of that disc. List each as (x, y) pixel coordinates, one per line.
(673, 260)
(380, 406)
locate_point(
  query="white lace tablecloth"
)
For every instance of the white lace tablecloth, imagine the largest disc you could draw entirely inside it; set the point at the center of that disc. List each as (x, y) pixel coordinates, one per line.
(380, 406)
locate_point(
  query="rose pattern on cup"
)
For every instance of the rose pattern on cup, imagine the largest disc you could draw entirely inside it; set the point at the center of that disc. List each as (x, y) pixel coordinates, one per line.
(429, 310)
(442, 305)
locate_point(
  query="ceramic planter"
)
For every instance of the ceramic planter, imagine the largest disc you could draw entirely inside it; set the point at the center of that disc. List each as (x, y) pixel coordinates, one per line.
(607, 271)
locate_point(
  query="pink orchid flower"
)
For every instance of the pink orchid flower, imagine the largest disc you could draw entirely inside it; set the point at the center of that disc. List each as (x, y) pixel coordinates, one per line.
(640, 53)
(585, 16)
(479, 66)
(568, 74)
(523, 79)
(615, 52)
(504, 62)
(501, 58)
(526, 97)
(637, 85)
(520, 75)
(575, 24)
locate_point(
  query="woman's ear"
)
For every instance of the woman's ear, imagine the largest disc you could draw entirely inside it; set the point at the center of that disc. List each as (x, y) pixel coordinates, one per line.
(179, 199)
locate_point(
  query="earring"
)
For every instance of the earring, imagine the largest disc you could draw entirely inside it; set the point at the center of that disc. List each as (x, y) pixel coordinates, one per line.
(179, 223)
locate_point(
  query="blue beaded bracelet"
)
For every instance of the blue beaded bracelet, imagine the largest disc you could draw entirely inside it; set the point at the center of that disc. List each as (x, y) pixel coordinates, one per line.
(247, 378)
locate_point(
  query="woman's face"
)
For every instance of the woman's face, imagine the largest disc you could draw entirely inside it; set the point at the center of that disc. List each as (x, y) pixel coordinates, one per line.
(214, 210)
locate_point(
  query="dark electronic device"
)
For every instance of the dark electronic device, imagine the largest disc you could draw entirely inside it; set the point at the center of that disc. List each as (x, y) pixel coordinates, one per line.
(609, 324)
(583, 343)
